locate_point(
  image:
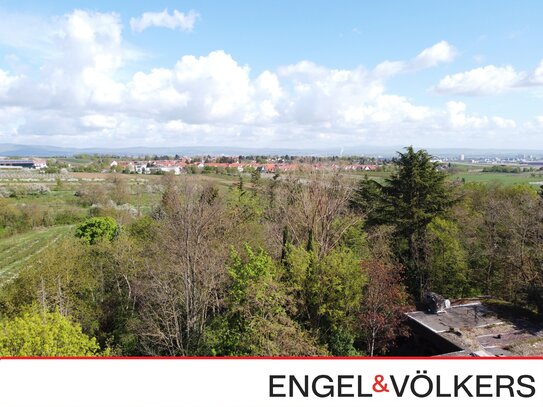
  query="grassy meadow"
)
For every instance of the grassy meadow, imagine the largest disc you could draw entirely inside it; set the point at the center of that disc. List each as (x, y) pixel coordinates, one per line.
(16, 250)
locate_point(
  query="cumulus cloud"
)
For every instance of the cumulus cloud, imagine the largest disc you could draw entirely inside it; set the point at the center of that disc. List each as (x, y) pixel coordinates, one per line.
(480, 81)
(459, 119)
(489, 80)
(6, 81)
(99, 121)
(86, 52)
(199, 89)
(84, 94)
(536, 78)
(436, 54)
(429, 57)
(176, 20)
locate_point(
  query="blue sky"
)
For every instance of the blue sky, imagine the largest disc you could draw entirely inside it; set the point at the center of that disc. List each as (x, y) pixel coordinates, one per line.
(274, 73)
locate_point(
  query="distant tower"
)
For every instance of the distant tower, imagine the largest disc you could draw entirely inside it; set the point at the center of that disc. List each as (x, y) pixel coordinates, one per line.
(462, 157)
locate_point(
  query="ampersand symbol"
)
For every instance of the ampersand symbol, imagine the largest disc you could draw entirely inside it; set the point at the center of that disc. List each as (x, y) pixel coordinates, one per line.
(379, 386)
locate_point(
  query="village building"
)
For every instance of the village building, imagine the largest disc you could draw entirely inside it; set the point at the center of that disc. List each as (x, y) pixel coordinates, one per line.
(37, 164)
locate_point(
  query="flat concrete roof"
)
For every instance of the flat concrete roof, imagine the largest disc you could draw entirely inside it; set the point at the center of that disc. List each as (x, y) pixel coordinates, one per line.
(479, 331)
(457, 317)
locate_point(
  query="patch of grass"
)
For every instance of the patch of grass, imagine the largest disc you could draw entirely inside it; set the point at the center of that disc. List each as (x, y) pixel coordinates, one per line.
(16, 250)
(500, 178)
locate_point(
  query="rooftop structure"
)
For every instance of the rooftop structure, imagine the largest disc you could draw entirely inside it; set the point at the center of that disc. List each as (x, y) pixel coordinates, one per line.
(23, 163)
(479, 329)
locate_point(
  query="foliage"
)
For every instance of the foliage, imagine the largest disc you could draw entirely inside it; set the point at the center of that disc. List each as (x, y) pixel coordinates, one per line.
(334, 288)
(257, 321)
(447, 261)
(39, 333)
(409, 200)
(96, 229)
(89, 283)
(383, 306)
(183, 275)
(503, 168)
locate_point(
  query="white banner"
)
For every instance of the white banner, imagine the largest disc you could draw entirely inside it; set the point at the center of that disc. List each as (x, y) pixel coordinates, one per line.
(270, 382)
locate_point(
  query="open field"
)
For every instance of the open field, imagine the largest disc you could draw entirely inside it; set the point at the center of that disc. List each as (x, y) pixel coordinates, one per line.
(530, 178)
(16, 250)
(500, 178)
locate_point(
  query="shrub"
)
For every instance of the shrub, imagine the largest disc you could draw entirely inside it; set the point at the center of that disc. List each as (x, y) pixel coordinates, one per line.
(36, 333)
(38, 189)
(97, 229)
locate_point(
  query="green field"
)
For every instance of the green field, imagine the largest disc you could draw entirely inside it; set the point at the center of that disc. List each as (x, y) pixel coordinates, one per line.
(16, 250)
(499, 178)
(530, 178)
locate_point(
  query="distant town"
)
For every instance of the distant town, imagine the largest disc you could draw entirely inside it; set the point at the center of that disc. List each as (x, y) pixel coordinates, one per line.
(265, 164)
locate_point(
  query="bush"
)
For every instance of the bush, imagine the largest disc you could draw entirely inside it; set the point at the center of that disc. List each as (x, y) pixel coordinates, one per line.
(36, 333)
(97, 229)
(68, 217)
(38, 189)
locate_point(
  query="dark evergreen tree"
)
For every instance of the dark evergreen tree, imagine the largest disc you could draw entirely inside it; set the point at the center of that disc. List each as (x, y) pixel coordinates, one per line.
(409, 200)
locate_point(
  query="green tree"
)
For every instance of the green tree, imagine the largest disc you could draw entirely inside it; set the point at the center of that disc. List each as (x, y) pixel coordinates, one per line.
(327, 293)
(90, 284)
(257, 321)
(409, 200)
(97, 229)
(447, 261)
(42, 333)
(335, 288)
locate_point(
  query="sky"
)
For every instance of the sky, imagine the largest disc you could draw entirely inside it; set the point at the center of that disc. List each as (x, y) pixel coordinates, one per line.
(278, 73)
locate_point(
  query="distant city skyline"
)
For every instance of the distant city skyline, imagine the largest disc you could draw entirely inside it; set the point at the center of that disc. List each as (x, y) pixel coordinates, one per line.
(281, 74)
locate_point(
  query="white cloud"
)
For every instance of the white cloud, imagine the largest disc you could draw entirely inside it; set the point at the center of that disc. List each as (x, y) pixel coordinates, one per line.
(388, 69)
(436, 54)
(99, 121)
(176, 20)
(489, 80)
(198, 89)
(6, 81)
(302, 68)
(537, 77)
(503, 123)
(428, 58)
(80, 96)
(459, 119)
(480, 81)
(86, 52)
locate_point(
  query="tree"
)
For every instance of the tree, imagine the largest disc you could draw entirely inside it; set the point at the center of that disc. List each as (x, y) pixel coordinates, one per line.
(334, 289)
(179, 287)
(315, 212)
(409, 200)
(90, 284)
(97, 229)
(119, 190)
(257, 320)
(327, 293)
(43, 333)
(383, 305)
(447, 265)
(502, 231)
